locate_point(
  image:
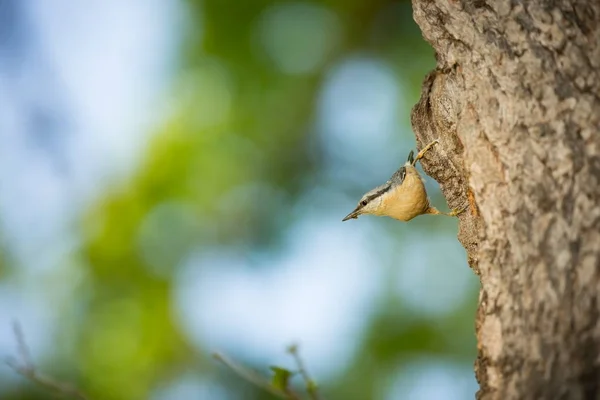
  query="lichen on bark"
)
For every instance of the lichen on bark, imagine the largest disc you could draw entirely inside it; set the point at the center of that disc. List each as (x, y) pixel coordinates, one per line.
(515, 103)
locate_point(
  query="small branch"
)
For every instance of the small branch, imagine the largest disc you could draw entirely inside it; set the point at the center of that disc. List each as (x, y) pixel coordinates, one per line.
(254, 378)
(22, 348)
(311, 386)
(24, 366)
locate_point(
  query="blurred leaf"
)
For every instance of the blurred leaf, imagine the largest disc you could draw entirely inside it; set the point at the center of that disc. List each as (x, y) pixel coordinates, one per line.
(281, 378)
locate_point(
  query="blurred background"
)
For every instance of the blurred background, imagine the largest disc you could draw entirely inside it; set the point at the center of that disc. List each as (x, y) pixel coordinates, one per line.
(173, 176)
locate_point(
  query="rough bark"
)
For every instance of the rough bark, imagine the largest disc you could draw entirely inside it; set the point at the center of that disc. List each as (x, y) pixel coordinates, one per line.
(515, 102)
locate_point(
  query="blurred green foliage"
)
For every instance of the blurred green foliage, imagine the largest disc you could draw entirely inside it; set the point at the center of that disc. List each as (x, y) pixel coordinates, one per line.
(239, 129)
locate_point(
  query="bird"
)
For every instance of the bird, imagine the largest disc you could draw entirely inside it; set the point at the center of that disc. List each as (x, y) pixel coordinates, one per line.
(403, 197)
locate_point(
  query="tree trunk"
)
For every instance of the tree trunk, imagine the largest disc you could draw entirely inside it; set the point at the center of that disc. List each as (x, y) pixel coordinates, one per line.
(515, 102)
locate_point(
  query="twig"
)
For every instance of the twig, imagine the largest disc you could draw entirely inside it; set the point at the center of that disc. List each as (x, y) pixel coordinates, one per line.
(311, 386)
(254, 378)
(22, 348)
(26, 368)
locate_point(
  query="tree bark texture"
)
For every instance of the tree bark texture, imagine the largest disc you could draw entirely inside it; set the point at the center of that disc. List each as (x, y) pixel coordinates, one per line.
(515, 103)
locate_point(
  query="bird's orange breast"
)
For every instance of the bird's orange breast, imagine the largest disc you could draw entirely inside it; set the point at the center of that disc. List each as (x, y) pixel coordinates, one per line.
(407, 200)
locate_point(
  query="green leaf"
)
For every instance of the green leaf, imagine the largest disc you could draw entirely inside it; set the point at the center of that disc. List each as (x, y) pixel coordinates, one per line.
(281, 378)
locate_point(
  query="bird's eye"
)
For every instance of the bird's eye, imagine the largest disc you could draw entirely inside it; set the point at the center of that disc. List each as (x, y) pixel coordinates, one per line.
(363, 203)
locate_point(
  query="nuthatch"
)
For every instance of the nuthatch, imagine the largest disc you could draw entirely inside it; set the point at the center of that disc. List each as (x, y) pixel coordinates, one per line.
(403, 197)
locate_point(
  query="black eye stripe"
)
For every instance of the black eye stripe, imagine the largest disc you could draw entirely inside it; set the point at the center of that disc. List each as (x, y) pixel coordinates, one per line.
(374, 195)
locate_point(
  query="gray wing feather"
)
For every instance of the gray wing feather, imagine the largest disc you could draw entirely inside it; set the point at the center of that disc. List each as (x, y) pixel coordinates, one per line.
(398, 176)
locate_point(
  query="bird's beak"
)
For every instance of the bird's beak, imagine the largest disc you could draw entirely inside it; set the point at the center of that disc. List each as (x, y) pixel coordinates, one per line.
(354, 214)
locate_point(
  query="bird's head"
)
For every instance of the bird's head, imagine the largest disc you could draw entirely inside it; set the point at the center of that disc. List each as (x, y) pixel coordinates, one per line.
(375, 201)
